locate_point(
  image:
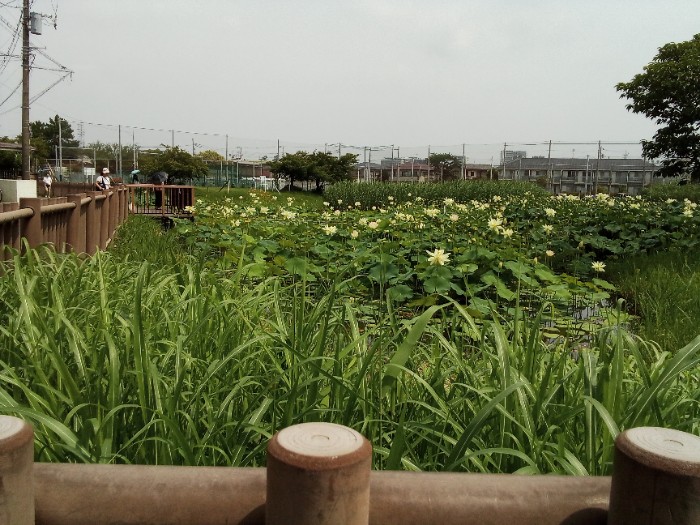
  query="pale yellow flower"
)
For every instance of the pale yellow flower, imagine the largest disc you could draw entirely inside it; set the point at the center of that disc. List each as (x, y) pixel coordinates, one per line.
(329, 230)
(438, 257)
(598, 266)
(548, 228)
(495, 223)
(549, 253)
(550, 212)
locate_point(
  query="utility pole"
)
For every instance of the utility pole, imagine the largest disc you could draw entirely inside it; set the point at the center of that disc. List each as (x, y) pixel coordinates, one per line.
(25, 92)
(392, 162)
(119, 166)
(549, 169)
(60, 149)
(597, 170)
(503, 160)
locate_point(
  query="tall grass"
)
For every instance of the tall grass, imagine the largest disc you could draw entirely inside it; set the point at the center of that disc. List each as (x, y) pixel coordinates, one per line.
(122, 360)
(213, 195)
(381, 194)
(663, 290)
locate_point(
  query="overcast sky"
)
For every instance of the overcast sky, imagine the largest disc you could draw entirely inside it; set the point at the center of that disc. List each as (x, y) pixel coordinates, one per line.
(408, 73)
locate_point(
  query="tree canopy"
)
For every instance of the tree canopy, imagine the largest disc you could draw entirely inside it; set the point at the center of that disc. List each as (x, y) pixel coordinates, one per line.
(317, 166)
(210, 155)
(10, 160)
(446, 165)
(180, 165)
(668, 91)
(44, 138)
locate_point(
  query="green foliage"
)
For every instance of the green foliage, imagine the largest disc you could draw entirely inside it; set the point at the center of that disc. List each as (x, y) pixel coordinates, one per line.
(210, 155)
(319, 167)
(663, 291)
(380, 194)
(446, 165)
(10, 160)
(679, 192)
(181, 166)
(121, 361)
(668, 92)
(45, 137)
(444, 332)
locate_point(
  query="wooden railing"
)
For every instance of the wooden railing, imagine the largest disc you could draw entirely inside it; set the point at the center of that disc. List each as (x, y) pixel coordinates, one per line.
(319, 473)
(155, 199)
(83, 223)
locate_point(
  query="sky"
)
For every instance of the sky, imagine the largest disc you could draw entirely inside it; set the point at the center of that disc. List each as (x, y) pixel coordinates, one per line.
(237, 76)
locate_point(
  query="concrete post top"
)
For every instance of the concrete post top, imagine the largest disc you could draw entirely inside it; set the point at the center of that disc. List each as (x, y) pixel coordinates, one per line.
(665, 449)
(319, 446)
(14, 433)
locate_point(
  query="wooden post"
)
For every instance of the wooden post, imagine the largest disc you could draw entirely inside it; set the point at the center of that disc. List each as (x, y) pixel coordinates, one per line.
(103, 208)
(16, 476)
(656, 478)
(31, 229)
(92, 225)
(112, 196)
(75, 236)
(318, 473)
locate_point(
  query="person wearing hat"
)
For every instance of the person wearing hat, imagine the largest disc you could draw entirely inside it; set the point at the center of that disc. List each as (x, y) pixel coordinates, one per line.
(103, 182)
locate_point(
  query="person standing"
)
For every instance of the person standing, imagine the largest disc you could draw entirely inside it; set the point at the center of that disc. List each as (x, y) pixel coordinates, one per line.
(48, 180)
(103, 182)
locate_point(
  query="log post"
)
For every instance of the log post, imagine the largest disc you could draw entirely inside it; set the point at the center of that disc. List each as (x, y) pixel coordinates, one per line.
(92, 224)
(318, 473)
(16, 475)
(103, 210)
(31, 229)
(656, 478)
(74, 233)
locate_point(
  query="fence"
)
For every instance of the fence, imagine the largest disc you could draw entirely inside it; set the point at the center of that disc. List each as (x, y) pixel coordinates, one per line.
(320, 473)
(82, 223)
(155, 199)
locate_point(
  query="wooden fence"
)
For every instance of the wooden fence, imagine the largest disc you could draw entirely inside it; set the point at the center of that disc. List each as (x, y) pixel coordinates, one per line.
(319, 473)
(84, 222)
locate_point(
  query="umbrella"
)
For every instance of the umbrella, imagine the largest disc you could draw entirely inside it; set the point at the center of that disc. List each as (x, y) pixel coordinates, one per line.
(159, 177)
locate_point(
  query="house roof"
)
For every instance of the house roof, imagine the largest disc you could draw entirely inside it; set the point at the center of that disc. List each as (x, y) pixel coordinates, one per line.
(10, 146)
(542, 163)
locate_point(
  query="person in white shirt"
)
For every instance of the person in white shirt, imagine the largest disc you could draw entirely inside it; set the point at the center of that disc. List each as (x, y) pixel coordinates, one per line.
(47, 179)
(103, 182)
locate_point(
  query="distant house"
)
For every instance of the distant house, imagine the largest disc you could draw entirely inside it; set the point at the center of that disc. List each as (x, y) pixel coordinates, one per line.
(11, 146)
(368, 172)
(480, 171)
(416, 170)
(582, 176)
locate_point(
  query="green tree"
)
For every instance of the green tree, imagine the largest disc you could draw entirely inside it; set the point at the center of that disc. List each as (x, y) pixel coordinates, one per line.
(668, 91)
(45, 138)
(210, 155)
(293, 166)
(446, 164)
(10, 160)
(316, 166)
(329, 168)
(181, 166)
